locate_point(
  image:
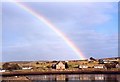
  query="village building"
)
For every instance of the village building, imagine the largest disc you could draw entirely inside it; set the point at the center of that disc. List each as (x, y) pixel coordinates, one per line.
(100, 66)
(60, 65)
(118, 66)
(83, 66)
(26, 67)
(1, 70)
(106, 61)
(111, 60)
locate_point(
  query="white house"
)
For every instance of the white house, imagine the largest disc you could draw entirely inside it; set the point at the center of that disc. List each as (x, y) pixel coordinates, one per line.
(110, 60)
(118, 66)
(60, 65)
(24, 68)
(1, 70)
(83, 66)
(99, 66)
(106, 61)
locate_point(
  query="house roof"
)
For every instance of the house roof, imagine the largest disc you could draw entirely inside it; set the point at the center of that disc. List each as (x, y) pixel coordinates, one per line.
(61, 62)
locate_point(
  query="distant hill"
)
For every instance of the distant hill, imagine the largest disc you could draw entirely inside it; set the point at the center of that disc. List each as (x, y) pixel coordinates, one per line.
(26, 62)
(111, 58)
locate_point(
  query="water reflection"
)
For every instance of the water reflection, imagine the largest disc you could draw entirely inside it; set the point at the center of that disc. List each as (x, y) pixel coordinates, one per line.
(69, 77)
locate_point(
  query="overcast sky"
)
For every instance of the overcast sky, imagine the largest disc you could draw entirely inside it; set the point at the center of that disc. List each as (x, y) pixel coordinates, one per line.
(92, 27)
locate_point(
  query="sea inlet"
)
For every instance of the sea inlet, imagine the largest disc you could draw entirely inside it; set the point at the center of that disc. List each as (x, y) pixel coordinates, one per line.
(68, 78)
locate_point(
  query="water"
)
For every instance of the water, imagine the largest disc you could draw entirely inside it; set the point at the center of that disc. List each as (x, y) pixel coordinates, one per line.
(77, 77)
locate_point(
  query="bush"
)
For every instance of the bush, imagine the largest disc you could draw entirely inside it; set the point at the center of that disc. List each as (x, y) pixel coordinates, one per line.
(37, 62)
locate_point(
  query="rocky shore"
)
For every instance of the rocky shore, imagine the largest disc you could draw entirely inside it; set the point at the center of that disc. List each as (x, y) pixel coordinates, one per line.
(14, 73)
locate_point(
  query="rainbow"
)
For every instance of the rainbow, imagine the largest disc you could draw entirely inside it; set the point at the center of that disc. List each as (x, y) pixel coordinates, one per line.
(52, 27)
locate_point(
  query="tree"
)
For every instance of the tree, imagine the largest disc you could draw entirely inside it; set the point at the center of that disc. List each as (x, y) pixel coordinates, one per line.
(110, 65)
(53, 66)
(8, 66)
(37, 62)
(101, 61)
(91, 58)
(66, 65)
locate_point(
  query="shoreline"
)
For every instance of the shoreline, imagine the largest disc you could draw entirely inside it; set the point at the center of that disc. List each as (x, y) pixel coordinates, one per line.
(20, 73)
